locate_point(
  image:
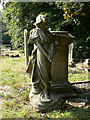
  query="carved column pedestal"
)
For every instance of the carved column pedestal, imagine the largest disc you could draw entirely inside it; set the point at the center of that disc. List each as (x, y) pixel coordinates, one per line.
(59, 67)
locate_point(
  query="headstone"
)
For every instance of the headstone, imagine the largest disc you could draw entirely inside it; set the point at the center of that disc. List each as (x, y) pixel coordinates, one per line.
(70, 54)
(26, 48)
(86, 66)
(0, 49)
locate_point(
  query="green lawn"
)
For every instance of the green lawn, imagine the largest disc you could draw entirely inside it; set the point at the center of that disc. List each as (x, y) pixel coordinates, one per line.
(76, 75)
(17, 104)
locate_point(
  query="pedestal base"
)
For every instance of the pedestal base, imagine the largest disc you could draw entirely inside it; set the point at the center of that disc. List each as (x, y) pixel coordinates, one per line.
(57, 93)
(63, 89)
(40, 103)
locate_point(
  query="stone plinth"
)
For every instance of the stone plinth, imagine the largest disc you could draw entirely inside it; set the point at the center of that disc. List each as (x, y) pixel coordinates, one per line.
(59, 67)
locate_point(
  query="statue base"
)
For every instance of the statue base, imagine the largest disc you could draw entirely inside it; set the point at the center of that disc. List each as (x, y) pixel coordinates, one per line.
(63, 89)
(42, 104)
(58, 93)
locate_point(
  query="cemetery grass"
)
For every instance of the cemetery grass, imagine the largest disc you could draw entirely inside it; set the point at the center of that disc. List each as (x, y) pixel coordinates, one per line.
(16, 103)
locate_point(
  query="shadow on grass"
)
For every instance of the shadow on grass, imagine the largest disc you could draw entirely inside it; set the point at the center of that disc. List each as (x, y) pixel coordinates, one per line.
(69, 113)
(77, 112)
(75, 72)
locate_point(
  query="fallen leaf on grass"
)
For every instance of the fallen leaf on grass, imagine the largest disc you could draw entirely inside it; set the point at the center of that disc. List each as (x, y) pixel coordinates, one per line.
(16, 90)
(12, 76)
(51, 113)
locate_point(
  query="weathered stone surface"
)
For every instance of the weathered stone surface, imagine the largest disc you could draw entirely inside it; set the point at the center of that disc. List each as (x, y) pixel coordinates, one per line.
(7, 90)
(7, 55)
(70, 54)
(26, 48)
(40, 103)
(12, 56)
(15, 56)
(49, 63)
(59, 67)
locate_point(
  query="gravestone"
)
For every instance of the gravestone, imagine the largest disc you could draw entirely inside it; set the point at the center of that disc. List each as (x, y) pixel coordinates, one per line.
(86, 66)
(70, 53)
(26, 48)
(0, 49)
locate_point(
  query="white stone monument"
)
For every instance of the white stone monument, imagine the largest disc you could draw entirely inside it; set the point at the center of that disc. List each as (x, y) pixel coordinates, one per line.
(70, 55)
(26, 48)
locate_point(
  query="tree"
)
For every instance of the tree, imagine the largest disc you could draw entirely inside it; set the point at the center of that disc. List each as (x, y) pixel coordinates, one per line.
(19, 16)
(76, 21)
(70, 16)
(5, 37)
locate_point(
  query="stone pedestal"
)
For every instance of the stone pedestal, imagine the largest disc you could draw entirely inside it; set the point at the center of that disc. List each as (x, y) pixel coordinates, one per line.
(59, 67)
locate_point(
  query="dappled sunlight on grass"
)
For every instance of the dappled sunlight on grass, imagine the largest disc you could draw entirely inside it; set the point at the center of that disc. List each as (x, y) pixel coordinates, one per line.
(13, 71)
(16, 104)
(77, 77)
(75, 74)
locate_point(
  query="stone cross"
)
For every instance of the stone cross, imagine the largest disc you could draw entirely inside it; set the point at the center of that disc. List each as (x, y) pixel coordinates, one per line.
(26, 48)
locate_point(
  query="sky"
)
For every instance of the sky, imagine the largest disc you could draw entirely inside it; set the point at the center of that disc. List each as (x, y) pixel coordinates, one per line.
(37, 0)
(1, 7)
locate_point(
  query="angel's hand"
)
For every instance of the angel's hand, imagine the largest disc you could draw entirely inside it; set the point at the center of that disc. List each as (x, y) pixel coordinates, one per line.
(49, 58)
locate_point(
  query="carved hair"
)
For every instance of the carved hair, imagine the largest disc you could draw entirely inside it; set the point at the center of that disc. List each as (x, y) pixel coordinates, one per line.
(40, 19)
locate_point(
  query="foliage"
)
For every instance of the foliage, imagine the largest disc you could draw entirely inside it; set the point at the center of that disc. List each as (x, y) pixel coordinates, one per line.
(5, 37)
(76, 21)
(82, 32)
(70, 16)
(13, 70)
(20, 15)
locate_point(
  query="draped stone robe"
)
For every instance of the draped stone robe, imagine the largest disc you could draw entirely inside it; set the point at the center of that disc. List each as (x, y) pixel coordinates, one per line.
(41, 71)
